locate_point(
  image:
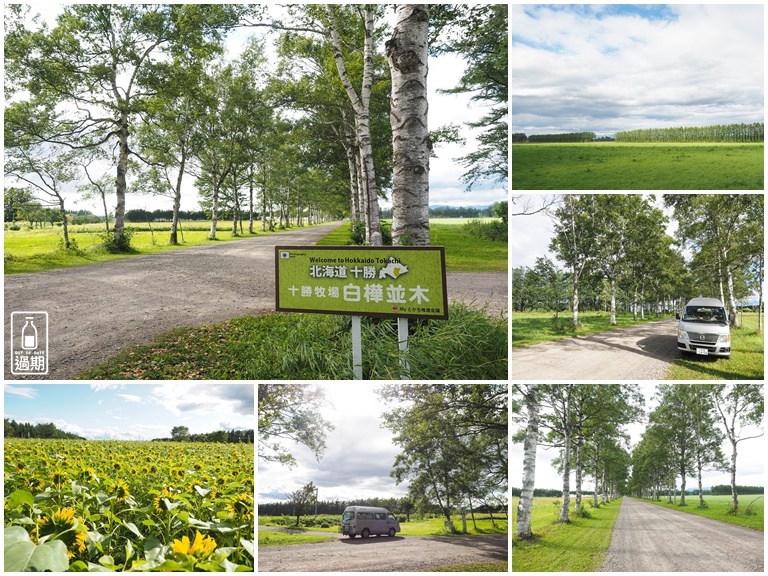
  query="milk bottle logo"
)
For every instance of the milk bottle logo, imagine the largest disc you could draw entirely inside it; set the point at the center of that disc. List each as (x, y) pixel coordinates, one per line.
(29, 334)
(29, 343)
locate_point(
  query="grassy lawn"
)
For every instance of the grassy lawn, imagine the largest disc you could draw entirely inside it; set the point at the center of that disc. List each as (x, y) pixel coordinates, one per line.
(536, 327)
(269, 538)
(476, 567)
(718, 506)
(745, 363)
(580, 546)
(463, 252)
(468, 346)
(40, 249)
(612, 166)
(425, 527)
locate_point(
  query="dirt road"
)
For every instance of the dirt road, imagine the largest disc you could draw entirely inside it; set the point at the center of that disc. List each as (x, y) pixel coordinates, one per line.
(95, 311)
(641, 352)
(648, 538)
(383, 554)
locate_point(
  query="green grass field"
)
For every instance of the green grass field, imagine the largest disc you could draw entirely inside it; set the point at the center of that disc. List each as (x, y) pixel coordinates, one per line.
(611, 166)
(40, 249)
(718, 506)
(580, 546)
(269, 538)
(745, 363)
(425, 527)
(536, 327)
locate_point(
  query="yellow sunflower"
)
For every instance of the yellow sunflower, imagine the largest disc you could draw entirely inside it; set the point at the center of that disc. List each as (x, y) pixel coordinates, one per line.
(121, 491)
(64, 526)
(160, 505)
(202, 546)
(241, 506)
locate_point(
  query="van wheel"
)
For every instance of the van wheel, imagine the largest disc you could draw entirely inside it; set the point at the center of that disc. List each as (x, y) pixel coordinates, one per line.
(365, 533)
(351, 535)
(391, 532)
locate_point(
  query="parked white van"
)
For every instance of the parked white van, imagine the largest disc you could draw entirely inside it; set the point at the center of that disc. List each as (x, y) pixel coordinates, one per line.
(704, 329)
(367, 520)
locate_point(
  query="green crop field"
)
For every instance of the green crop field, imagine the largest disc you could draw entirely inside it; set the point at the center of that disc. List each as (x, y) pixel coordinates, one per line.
(118, 505)
(717, 507)
(611, 166)
(580, 546)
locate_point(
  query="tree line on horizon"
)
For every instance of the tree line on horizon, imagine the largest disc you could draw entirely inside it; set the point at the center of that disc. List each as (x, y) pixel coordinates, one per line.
(13, 429)
(182, 434)
(716, 133)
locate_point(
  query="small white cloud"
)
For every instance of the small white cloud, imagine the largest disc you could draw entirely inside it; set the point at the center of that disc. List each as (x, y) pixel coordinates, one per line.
(131, 397)
(22, 391)
(100, 387)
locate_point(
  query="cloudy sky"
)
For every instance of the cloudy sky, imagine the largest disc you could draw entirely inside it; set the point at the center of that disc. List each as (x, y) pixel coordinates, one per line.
(131, 411)
(358, 459)
(749, 465)
(610, 67)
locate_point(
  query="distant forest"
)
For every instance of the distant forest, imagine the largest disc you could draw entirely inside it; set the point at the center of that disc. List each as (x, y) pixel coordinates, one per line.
(181, 434)
(398, 506)
(719, 490)
(13, 429)
(754, 132)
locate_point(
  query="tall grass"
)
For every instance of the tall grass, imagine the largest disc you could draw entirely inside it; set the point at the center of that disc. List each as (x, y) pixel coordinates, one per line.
(719, 508)
(470, 345)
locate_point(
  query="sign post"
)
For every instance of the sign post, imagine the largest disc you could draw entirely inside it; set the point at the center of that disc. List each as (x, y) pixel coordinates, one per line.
(392, 281)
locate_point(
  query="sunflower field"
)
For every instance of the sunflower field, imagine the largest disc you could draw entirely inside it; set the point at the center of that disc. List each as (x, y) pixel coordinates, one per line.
(104, 505)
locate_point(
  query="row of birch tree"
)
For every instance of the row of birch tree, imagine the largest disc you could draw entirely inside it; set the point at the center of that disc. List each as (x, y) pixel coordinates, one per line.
(586, 423)
(686, 434)
(754, 132)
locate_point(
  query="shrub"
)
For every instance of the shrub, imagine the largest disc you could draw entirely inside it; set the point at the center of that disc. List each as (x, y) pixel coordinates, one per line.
(113, 246)
(582, 513)
(495, 230)
(14, 227)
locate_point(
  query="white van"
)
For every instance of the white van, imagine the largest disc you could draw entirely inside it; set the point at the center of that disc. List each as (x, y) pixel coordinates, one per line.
(704, 329)
(367, 520)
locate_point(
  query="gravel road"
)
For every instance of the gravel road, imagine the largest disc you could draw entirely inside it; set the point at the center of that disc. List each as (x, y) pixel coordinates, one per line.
(383, 554)
(642, 352)
(95, 311)
(648, 538)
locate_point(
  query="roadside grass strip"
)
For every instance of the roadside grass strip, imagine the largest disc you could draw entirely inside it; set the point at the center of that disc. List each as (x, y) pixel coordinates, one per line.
(268, 538)
(529, 328)
(473, 567)
(470, 345)
(580, 546)
(745, 363)
(717, 508)
(657, 166)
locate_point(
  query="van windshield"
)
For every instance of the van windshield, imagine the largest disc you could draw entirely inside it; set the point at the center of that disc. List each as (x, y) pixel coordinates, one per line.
(347, 516)
(705, 314)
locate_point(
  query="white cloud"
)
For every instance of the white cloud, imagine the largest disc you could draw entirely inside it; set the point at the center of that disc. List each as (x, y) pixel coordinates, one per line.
(604, 68)
(205, 398)
(101, 387)
(131, 397)
(22, 391)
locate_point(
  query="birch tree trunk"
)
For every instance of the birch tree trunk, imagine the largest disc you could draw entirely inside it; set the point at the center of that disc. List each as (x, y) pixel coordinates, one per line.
(407, 54)
(529, 463)
(361, 106)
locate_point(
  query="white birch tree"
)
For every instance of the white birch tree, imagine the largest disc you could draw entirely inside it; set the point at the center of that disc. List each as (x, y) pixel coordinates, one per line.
(407, 54)
(531, 394)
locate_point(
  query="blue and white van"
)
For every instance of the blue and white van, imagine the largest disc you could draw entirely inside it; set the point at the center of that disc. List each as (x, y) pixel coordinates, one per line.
(367, 520)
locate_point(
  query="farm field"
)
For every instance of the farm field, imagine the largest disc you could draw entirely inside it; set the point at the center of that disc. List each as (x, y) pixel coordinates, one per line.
(611, 166)
(120, 505)
(718, 506)
(580, 546)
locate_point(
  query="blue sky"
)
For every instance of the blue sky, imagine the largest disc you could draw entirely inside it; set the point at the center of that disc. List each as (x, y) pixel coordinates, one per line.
(610, 67)
(131, 411)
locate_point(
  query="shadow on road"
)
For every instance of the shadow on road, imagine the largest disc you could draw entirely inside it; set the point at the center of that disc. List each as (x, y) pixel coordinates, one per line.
(370, 540)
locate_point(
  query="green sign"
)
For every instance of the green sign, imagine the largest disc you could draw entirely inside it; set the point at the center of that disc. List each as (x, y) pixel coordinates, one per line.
(403, 282)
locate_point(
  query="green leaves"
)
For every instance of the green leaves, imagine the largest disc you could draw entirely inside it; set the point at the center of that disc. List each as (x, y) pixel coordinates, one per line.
(21, 554)
(20, 497)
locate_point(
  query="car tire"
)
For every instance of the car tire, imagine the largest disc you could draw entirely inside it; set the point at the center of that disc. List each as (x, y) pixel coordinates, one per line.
(391, 532)
(351, 535)
(365, 533)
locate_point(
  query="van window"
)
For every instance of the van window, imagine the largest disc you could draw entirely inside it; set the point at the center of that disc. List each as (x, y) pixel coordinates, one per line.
(380, 516)
(348, 516)
(365, 515)
(705, 314)
(391, 518)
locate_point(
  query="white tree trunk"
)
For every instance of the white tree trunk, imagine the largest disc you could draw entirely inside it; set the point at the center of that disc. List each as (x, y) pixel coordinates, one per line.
(361, 106)
(407, 54)
(529, 463)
